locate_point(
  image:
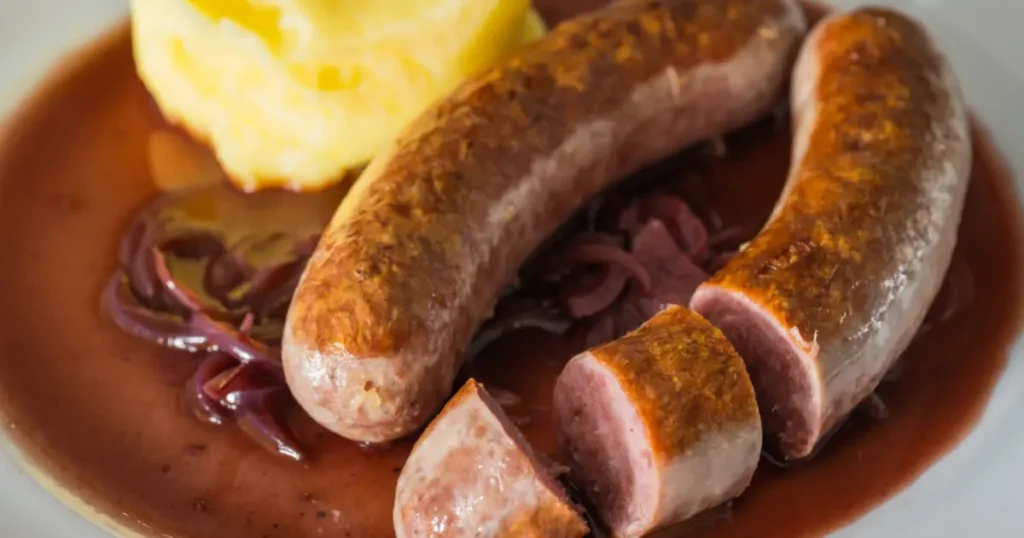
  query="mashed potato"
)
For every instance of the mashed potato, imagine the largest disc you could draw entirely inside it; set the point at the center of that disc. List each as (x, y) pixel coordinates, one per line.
(292, 93)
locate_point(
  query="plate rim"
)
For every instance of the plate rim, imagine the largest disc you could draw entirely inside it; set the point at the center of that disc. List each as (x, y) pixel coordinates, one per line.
(94, 22)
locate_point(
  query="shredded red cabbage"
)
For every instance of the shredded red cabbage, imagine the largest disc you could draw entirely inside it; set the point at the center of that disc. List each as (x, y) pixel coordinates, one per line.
(618, 266)
(240, 378)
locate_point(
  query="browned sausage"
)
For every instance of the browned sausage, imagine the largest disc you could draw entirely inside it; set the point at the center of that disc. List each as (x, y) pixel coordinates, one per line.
(473, 475)
(419, 251)
(660, 424)
(834, 287)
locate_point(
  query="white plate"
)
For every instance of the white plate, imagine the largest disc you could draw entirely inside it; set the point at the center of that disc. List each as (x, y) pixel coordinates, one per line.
(974, 491)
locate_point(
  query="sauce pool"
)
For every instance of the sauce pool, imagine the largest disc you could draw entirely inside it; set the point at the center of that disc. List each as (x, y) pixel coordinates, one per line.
(102, 411)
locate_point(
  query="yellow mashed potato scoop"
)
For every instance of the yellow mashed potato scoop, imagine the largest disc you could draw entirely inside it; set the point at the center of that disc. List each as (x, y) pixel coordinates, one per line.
(292, 93)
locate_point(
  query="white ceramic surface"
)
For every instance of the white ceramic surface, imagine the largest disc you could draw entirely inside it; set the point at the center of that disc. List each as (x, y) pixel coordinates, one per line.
(975, 491)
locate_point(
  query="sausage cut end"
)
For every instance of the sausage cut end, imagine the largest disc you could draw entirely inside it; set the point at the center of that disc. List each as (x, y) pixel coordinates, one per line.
(606, 438)
(785, 377)
(473, 474)
(659, 425)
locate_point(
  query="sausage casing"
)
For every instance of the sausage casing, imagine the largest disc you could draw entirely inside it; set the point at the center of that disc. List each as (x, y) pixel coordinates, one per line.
(834, 287)
(660, 424)
(417, 254)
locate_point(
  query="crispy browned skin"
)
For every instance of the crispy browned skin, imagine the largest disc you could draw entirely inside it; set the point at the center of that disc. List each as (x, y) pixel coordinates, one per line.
(859, 241)
(419, 251)
(683, 377)
(871, 119)
(660, 424)
(420, 209)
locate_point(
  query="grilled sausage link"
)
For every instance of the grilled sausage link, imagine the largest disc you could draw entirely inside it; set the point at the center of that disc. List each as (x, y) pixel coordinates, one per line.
(417, 254)
(834, 287)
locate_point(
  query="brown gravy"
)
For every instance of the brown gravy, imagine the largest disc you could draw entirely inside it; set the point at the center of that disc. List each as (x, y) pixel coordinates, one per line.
(100, 410)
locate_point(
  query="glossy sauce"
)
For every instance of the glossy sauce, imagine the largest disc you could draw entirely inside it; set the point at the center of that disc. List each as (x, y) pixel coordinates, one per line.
(101, 410)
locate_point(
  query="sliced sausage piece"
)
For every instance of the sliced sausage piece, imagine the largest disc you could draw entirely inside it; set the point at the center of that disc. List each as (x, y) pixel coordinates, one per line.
(660, 424)
(417, 255)
(834, 287)
(472, 474)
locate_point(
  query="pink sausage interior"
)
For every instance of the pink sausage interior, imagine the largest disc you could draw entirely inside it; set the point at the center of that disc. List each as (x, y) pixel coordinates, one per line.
(543, 472)
(783, 375)
(610, 454)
